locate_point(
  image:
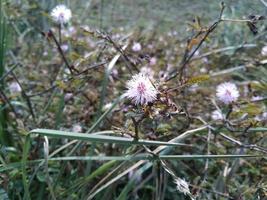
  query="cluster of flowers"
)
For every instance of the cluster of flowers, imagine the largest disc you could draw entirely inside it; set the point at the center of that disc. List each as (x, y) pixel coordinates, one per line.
(142, 91)
(140, 88)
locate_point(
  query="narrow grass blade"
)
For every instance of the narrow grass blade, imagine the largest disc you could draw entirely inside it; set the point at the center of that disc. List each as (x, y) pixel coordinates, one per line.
(105, 80)
(103, 116)
(60, 108)
(100, 138)
(26, 149)
(142, 157)
(99, 120)
(5, 138)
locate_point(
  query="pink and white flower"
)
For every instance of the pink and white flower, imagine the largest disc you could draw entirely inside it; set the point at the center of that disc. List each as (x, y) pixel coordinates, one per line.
(148, 71)
(182, 186)
(227, 92)
(153, 61)
(141, 90)
(77, 128)
(264, 51)
(136, 47)
(14, 87)
(61, 14)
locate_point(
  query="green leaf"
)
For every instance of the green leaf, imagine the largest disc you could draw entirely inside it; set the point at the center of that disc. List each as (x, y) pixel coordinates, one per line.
(100, 138)
(26, 148)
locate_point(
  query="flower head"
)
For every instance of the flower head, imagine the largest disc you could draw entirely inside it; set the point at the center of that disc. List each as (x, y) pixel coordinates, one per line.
(14, 87)
(153, 61)
(148, 71)
(77, 128)
(261, 117)
(61, 14)
(227, 92)
(182, 186)
(141, 90)
(136, 47)
(264, 51)
(257, 98)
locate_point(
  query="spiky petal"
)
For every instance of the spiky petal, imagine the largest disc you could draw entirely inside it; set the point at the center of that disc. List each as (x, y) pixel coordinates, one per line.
(227, 92)
(141, 90)
(61, 14)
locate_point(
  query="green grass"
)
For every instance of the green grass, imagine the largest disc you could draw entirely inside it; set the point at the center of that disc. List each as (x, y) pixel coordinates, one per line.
(5, 137)
(43, 157)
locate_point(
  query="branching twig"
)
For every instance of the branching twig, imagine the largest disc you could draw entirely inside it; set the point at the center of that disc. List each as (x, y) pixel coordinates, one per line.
(28, 100)
(107, 38)
(240, 144)
(187, 57)
(223, 50)
(71, 68)
(186, 60)
(234, 141)
(6, 100)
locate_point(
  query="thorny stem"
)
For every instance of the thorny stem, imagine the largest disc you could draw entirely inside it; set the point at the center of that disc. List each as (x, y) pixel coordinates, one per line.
(107, 38)
(236, 20)
(135, 128)
(68, 79)
(136, 125)
(240, 144)
(187, 57)
(9, 71)
(59, 34)
(229, 111)
(232, 140)
(28, 100)
(71, 68)
(5, 99)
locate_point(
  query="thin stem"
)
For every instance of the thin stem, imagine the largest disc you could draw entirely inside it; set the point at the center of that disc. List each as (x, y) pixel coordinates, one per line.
(71, 68)
(264, 3)
(23, 92)
(236, 20)
(190, 56)
(59, 34)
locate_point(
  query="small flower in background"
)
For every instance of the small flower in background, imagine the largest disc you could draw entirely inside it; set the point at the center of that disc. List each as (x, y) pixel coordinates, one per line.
(61, 14)
(217, 115)
(227, 92)
(257, 98)
(264, 51)
(77, 128)
(68, 96)
(262, 117)
(107, 106)
(150, 46)
(153, 61)
(133, 174)
(148, 72)
(141, 90)
(65, 47)
(136, 47)
(14, 87)
(203, 70)
(115, 72)
(182, 186)
(70, 31)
